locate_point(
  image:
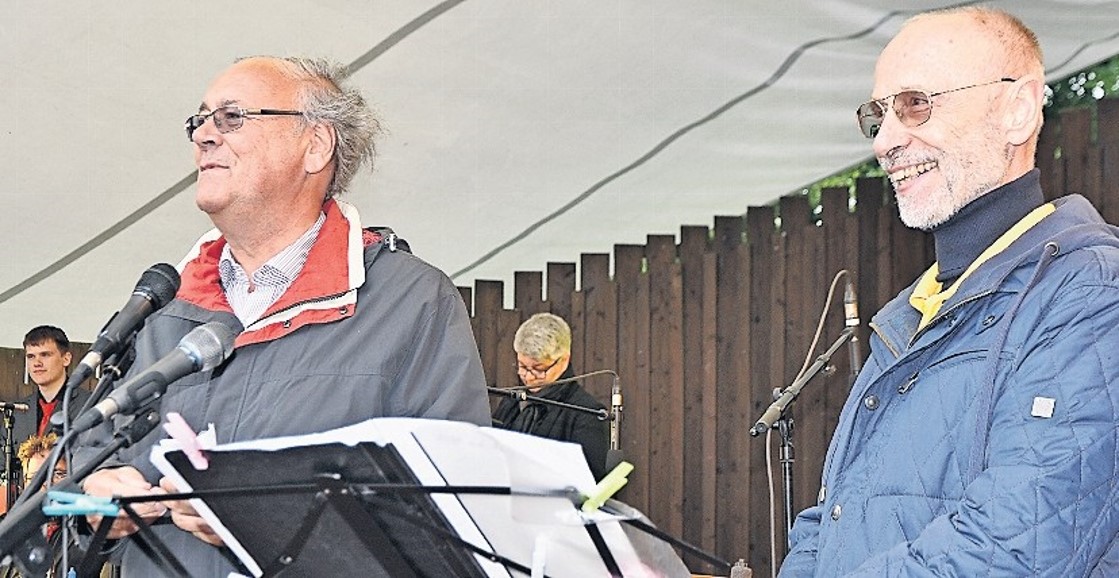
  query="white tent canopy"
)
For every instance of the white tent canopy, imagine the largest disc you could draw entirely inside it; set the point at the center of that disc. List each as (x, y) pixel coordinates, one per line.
(520, 132)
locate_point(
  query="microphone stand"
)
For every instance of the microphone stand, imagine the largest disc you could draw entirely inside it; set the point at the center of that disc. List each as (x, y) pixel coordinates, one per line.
(518, 393)
(112, 370)
(114, 367)
(614, 454)
(20, 533)
(12, 489)
(775, 414)
(615, 416)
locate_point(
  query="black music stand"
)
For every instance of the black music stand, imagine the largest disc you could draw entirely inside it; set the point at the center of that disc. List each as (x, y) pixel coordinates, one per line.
(295, 513)
(405, 497)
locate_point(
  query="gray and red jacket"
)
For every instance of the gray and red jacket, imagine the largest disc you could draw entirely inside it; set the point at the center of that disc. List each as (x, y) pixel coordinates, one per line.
(362, 332)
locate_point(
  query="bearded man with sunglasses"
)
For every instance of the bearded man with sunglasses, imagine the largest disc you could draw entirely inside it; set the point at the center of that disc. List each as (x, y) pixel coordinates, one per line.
(340, 323)
(981, 437)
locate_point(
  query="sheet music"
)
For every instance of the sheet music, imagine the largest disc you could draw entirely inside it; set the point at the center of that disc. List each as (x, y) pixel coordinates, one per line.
(455, 453)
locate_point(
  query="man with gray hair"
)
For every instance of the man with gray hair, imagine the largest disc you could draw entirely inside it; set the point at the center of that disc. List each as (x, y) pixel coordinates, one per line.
(543, 346)
(340, 323)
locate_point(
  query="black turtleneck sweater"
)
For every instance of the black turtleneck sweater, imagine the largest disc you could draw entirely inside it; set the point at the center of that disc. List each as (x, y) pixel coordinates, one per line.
(961, 239)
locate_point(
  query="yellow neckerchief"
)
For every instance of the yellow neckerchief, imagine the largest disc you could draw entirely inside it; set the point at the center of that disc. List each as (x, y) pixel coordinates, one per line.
(928, 297)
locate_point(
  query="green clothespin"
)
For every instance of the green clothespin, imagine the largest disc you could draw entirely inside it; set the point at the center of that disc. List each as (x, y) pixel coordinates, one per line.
(609, 486)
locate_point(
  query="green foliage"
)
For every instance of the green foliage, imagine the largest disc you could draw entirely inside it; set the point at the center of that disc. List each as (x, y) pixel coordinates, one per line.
(1080, 89)
(1089, 85)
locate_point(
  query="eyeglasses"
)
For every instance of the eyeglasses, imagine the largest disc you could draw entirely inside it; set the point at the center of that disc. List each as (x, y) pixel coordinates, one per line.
(231, 118)
(57, 475)
(535, 372)
(913, 107)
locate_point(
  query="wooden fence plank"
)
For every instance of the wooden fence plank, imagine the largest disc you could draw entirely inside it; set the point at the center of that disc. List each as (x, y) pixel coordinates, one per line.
(528, 293)
(505, 374)
(735, 510)
(561, 286)
(871, 195)
(1108, 129)
(1076, 125)
(1049, 161)
(805, 290)
(488, 303)
(767, 358)
(633, 368)
(840, 230)
(666, 381)
(698, 398)
(600, 330)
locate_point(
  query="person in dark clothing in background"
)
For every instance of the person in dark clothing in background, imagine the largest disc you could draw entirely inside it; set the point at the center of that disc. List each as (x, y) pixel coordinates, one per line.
(543, 346)
(47, 353)
(47, 356)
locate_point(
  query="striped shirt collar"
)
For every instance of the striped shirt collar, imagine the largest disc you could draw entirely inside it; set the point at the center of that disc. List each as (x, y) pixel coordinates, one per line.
(249, 299)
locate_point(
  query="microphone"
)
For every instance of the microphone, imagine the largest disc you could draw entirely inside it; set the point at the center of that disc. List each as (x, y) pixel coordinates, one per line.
(616, 415)
(204, 348)
(773, 412)
(614, 454)
(851, 319)
(514, 392)
(155, 289)
(13, 406)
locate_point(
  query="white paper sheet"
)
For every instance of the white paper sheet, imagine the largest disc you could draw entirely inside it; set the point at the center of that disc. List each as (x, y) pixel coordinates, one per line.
(454, 453)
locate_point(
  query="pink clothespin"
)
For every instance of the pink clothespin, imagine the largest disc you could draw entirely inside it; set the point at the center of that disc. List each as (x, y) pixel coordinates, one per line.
(180, 431)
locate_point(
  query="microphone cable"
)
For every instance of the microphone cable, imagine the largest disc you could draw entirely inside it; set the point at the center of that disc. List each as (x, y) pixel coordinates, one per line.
(769, 432)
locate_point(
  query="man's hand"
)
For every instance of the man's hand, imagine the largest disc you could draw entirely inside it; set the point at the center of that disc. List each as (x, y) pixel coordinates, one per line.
(123, 481)
(186, 518)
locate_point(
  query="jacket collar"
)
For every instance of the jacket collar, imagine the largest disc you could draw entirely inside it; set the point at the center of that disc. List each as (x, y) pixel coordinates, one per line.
(324, 291)
(1075, 224)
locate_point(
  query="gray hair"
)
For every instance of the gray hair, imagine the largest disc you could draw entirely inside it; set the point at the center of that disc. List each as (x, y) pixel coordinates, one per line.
(543, 337)
(327, 97)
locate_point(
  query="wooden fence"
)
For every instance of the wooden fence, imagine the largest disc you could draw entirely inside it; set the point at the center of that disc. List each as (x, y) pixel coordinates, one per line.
(701, 328)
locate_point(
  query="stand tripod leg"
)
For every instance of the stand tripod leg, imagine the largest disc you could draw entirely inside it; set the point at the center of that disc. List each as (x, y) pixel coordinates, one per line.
(294, 546)
(604, 551)
(153, 547)
(90, 565)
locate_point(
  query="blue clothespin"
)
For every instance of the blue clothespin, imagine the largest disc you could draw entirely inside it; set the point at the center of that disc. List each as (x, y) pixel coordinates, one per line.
(78, 504)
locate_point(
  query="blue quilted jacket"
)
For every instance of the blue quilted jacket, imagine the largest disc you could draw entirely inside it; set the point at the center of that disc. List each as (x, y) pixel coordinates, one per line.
(950, 460)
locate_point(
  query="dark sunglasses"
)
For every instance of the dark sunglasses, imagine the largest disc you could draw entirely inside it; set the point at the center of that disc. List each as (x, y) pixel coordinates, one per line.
(913, 107)
(231, 118)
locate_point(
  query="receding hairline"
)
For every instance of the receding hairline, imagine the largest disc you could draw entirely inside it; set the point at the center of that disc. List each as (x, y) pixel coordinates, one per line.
(1017, 44)
(290, 68)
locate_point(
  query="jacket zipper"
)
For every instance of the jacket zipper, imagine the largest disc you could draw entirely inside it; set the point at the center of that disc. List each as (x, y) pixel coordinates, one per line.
(265, 320)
